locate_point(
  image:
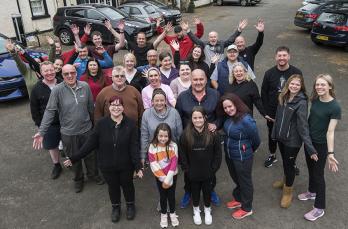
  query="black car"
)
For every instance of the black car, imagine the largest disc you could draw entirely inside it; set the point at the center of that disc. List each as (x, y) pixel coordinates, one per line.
(241, 2)
(331, 28)
(169, 14)
(95, 14)
(306, 15)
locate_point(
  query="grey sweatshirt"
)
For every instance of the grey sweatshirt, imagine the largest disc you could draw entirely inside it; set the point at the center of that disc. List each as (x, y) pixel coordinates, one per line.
(150, 121)
(75, 108)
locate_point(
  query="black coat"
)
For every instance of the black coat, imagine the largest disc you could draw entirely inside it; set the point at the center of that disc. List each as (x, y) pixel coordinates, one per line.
(117, 145)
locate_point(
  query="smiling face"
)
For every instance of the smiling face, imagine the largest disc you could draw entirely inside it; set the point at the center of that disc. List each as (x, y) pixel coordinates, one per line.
(159, 102)
(48, 72)
(93, 67)
(239, 73)
(97, 40)
(152, 57)
(58, 64)
(119, 78)
(116, 109)
(282, 58)
(185, 72)
(166, 63)
(198, 120)
(83, 53)
(232, 55)
(129, 62)
(322, 87)
(213, 38)
(295, 86)
(69, 74)
(198, 80)
(141, 39)
(154, 78)
(162, 137)
(229, 108)
(196, 53)
(240, 42)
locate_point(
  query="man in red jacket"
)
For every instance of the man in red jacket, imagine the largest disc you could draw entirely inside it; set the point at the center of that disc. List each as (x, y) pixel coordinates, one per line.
(185, 42)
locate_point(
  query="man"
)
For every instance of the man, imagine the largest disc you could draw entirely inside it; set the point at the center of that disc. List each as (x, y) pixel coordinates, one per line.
(214, 46)
(248, 53)
(272, 84)
(73, 101)
(38, 101)
(152, 57)
(219, 77)
(133, 104)
(185, 42)
(198, 95)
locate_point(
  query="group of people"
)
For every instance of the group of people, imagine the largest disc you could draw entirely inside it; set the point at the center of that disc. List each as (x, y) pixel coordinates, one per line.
(184, 111)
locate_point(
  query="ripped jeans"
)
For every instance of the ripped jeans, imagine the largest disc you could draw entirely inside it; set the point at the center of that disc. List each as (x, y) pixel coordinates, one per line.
(289, 155)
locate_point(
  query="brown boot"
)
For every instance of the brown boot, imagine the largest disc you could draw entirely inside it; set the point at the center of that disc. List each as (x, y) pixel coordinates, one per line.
(286, 197)
(278, 184)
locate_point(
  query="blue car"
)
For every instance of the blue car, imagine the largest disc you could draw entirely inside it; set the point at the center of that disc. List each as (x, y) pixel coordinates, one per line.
(12, 84)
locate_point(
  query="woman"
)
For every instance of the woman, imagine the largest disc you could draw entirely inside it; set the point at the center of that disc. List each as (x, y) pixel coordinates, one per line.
(196, 61)
(58, 64)
(116, 139)
(291, 130)
(154, 77)
(168, 72)
(95, 78)
(134, 77)
(241, 85)
(200, 152)
(241, 141)
(324, 115)
(183, 82)
(158, 113)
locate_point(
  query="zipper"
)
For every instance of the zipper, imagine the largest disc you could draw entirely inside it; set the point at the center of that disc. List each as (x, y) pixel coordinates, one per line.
(287, 136)
(240, 153)
(72, 90)
(281, 124)
(228, 139)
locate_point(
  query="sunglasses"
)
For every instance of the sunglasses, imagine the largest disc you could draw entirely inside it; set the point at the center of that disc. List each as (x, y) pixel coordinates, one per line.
(119, 76)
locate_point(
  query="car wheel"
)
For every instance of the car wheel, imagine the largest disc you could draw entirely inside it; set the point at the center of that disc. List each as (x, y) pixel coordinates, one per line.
(219, 2)
(65, 37)
(243, 2)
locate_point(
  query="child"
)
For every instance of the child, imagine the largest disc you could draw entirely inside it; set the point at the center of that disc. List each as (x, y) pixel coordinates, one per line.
(163, 158)
(200, 153)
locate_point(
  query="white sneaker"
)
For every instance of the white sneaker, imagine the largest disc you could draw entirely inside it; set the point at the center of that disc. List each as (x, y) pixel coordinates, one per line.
(174, 219)
(208, 219)
(197, 216)
(164, 221)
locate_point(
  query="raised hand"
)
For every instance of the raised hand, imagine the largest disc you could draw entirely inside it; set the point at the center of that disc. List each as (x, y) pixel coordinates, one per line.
(168, 28)
(197, 21)
(121, 25)
(75, 29)
(67, 163)
(87, 29)
(50, 41)
(175, 45)
(37, 143)
(242, 24)
(215, 58)
(184, 25)
(260, 26)
(333, 163)
(108, 25)
(158, 21)
(10, 46)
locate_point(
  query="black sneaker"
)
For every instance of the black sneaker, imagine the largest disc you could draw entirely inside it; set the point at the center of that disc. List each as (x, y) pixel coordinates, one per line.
(115, 213)
(130, 213)
(56, 171)
(270, 160)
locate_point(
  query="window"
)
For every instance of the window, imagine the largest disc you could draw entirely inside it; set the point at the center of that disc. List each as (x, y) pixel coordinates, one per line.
(75, 13)
(38, 9)
(150, 9)
(135, 11)
(93, 14)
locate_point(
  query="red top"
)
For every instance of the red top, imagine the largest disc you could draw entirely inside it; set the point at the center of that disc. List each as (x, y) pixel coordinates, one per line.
(65, 56)
(95, 86)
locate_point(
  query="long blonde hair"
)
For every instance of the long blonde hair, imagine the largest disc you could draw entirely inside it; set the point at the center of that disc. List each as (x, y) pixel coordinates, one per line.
(285, 93)
(231, 77)
(329, 80)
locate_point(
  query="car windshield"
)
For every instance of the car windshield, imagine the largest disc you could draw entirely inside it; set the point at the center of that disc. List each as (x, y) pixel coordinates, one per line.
(337, 19)
(310, 7)
(112, 13)
(2, 45)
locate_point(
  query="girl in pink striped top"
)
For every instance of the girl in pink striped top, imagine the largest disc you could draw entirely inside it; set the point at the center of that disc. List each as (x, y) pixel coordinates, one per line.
(163, 157)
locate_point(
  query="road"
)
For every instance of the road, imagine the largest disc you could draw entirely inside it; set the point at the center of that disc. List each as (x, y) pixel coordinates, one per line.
(30, 199)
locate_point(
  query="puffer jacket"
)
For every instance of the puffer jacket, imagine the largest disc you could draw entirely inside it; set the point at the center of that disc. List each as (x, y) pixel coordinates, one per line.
(241, 139)
(291, 125)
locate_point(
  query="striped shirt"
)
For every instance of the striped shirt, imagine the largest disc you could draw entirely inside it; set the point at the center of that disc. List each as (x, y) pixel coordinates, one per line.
(164, 168)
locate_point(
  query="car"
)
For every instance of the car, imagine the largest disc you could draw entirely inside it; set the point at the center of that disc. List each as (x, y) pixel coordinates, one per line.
(306, 15)
(142, 11)
(241, 2)
(95, 15)
(169, 14)
(331, 28)
(12, 83)
(305, 2)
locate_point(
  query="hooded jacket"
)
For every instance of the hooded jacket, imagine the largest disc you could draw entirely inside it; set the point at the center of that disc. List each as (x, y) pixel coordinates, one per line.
(291, 126)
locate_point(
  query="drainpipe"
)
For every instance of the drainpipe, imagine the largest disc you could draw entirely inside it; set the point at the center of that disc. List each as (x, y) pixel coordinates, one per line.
(19, 9)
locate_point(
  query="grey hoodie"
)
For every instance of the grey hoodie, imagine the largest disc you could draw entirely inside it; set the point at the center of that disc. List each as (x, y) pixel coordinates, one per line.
(150, 121)
(291, 125)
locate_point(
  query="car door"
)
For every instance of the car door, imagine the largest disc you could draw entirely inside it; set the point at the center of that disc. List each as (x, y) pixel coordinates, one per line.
(75, 16)
(96, 20)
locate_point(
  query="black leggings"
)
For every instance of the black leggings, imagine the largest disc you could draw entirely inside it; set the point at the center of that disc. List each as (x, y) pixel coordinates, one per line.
(289, 155)
(196, 187)
(187, 185)
(316, 174)
(167, 195)
(118, 179)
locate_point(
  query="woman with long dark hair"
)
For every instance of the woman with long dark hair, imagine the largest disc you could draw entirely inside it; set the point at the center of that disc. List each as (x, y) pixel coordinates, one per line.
(200, 153)
(241, 141)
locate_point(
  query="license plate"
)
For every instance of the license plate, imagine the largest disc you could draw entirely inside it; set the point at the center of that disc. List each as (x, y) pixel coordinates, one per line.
(323, 38)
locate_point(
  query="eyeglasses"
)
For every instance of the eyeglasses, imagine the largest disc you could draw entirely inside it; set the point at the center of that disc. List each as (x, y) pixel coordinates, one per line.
(69, 73)
(118, 76)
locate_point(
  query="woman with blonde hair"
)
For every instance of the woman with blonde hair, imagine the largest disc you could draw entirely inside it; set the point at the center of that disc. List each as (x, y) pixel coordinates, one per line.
(133, 76)
(324, 115)
(291, 130)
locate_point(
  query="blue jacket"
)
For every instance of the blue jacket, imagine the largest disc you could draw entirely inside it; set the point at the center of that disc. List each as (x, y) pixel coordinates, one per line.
(242, 138)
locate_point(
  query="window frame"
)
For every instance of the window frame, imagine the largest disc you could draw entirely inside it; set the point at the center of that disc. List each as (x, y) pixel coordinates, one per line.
(36, 17)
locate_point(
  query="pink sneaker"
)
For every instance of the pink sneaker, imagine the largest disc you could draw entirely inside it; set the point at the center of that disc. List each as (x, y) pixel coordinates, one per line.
(307, 196)
(314, 214)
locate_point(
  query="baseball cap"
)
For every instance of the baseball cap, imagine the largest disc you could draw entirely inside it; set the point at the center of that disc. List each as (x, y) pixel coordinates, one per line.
(233, 46)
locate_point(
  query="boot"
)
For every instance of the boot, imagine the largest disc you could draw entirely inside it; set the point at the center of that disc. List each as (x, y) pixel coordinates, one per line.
(278, 184)
(197, 216)
(130, 213)
(286, 197)
(115, 213)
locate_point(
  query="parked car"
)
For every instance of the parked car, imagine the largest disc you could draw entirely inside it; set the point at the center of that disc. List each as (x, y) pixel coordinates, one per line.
(307, 14)
(305, 2)
(12, 83)
(241, 2)
(95, 15)
(141, 11)
(169, 14)
(331, 28)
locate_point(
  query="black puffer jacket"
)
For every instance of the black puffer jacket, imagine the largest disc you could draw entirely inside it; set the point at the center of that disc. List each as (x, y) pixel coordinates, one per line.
(291, 126)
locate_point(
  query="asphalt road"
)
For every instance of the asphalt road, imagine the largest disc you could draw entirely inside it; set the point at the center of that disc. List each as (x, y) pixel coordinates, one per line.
(30, 199)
